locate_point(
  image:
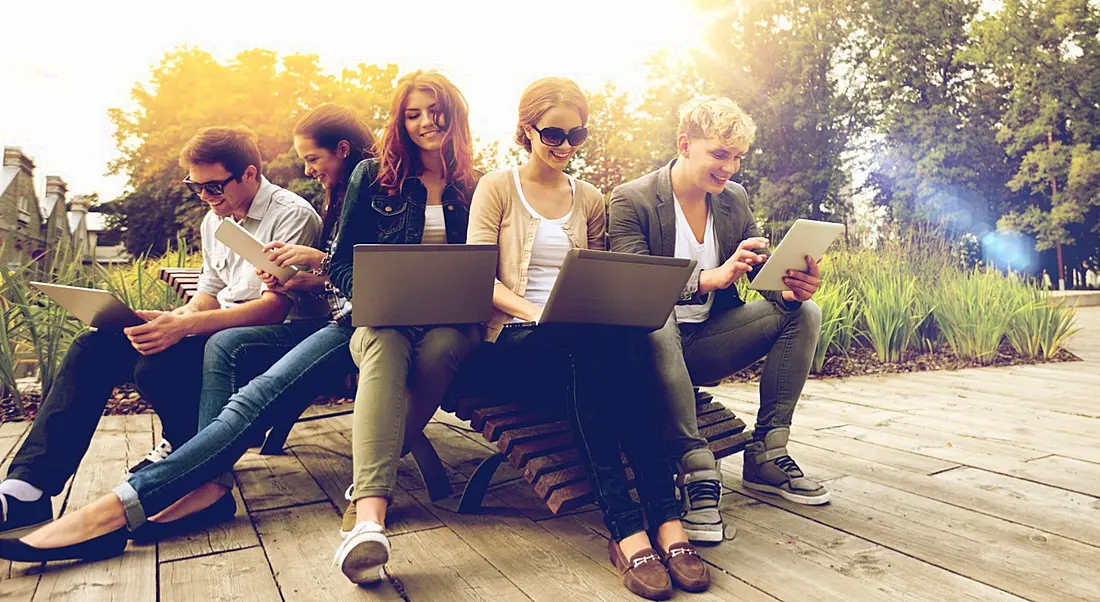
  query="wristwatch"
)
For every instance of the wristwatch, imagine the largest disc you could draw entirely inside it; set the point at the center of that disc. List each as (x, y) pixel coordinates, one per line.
(322, 270)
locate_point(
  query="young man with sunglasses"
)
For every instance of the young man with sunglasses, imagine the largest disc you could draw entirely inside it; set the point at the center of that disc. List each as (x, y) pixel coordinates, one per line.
(164, 356)
(690, 209)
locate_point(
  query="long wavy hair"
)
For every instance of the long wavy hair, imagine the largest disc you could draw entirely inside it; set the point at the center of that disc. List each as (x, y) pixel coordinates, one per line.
(398, 155)
(327, 125)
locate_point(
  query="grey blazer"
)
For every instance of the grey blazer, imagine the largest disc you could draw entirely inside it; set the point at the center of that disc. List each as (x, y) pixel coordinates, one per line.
(643, 221)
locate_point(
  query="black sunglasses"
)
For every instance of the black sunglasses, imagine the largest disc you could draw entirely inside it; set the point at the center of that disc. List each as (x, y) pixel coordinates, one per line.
(214, 188)
(555, 136)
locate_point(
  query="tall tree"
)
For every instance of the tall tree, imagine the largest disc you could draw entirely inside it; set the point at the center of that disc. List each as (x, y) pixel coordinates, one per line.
(189, 90)
(1044, 58)
(937, 160)
(796, 67)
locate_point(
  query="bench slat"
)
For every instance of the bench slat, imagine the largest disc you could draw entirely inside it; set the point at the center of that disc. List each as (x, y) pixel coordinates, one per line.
(523, 452)
(541, 465)
(510, 438)
(480, 415)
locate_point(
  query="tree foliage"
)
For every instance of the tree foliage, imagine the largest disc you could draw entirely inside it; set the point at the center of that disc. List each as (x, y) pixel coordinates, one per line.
(189, 90)
(962, 113)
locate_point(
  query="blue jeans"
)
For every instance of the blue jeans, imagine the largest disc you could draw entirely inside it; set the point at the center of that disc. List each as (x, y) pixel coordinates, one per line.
(233, 357)
(312, 366)
(95, 363)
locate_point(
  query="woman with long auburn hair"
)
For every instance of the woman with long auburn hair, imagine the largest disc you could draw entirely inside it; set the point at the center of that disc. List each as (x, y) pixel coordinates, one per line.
(424, 178)
(423, 205)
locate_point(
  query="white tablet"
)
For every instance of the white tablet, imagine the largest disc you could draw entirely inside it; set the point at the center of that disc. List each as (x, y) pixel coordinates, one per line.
(234, 236)
(806, 237)
(94, 307)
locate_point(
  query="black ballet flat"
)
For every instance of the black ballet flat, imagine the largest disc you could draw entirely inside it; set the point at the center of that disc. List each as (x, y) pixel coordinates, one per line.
(107, 545)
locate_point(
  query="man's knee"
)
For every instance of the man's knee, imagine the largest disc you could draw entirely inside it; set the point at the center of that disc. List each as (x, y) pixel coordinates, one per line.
(809, 315)
(152, 376)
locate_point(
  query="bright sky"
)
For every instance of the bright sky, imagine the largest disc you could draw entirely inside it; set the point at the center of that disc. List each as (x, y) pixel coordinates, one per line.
(63, 64)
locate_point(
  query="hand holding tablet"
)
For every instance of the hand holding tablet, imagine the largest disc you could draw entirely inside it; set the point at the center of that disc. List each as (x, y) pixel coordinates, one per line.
(234, 236)
(806, 238)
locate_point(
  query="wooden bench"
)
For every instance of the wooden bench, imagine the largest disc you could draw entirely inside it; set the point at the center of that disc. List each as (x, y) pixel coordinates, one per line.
(540, 445)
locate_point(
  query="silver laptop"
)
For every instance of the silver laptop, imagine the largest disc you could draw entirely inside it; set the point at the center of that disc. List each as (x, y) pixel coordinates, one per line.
(617, 289)
(419, 285)
(94, 307)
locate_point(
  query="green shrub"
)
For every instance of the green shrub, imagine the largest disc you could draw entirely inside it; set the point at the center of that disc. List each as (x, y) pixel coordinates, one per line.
(972, 311)
(837, 301)
(1039, 326)
(890, 309)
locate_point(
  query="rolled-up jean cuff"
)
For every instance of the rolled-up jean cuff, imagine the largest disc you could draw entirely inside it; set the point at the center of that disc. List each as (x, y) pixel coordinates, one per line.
(624, 524)
(131, 505)
(356, 495)
(659, 513)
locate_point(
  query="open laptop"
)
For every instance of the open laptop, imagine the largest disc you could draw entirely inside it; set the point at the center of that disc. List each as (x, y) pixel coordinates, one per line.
(91, 306)
(420, 285)
(616, 289)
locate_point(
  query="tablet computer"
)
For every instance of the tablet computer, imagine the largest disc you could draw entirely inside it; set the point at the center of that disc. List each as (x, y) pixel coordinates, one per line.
(422, 285)
(241, 241)
(806, 237)
(617, 289)
(91, 306)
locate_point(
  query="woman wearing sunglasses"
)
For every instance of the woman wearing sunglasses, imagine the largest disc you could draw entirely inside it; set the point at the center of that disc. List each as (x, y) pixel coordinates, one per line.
(536, 213)
(424, 160)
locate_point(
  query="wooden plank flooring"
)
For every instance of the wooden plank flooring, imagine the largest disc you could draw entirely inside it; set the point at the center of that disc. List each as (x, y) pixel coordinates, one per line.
(979, 484)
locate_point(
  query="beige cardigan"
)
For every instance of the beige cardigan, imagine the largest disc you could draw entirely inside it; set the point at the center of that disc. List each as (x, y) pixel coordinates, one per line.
(497, 216)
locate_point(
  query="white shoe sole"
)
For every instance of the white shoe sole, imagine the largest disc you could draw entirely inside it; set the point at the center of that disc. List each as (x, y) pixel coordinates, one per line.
(708, 536)
(363, 562)
(807, 500)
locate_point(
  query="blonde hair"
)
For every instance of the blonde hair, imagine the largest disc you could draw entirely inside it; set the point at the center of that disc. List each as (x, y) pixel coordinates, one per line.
(718, 118)
(543, 95)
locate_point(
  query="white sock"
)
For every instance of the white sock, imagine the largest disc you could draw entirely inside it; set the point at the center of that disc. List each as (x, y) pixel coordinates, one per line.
(20, 490)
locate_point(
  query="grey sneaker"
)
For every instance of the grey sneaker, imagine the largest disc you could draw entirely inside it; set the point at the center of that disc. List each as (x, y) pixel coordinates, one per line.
(700, 485)
(768, 468)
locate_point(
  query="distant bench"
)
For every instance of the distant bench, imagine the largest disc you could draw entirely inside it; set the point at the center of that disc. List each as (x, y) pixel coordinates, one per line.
(538, 444)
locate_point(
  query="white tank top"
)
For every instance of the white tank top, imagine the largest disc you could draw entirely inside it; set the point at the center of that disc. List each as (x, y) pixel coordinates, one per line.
(435, 228)
(548, 252)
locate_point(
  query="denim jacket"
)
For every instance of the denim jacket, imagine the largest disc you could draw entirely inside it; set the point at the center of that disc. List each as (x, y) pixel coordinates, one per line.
(372, 216)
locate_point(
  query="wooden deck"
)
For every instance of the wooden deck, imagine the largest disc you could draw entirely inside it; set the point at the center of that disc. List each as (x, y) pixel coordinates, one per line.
(970, 485)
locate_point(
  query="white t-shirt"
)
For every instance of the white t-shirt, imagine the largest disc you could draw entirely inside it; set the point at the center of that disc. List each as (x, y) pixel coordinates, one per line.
(435, 229)
(548, 252)
(705, 253)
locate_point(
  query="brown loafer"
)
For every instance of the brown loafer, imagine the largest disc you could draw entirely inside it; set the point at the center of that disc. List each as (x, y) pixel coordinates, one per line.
(643, 574)
(686, 568)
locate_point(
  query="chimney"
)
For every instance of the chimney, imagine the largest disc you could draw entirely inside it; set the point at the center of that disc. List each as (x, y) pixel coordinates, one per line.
(79, 204)
(14, 157)
(55, 191)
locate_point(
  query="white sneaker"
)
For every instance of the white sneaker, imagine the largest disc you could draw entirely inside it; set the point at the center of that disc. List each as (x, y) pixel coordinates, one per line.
(160, 452)
(364, 553)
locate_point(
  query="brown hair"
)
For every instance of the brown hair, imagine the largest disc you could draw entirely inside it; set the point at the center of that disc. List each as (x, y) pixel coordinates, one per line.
(329, 124)
(398, 157)
(234, 147)
(543, 95)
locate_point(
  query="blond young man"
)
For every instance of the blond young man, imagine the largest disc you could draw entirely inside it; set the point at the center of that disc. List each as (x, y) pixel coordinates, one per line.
(690, 209)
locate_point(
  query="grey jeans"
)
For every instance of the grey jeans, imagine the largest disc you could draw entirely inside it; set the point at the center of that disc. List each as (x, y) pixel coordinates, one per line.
(707, 352)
